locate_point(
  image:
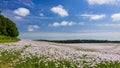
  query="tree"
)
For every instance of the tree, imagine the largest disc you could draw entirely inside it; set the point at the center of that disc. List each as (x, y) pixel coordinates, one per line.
(8, 27)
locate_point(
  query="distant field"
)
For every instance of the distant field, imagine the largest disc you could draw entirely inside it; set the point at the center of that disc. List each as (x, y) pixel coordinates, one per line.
(32, 54)
(4, 39)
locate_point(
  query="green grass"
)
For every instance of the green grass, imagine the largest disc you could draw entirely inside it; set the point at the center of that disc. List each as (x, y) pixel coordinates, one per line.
(108, 64)
(7, 58)
(4, 39)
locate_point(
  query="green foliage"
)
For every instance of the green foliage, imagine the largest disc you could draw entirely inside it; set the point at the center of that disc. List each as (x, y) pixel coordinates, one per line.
(108, 64)
(35, 62)
(9, 58)
(8, 27)
(8, 39)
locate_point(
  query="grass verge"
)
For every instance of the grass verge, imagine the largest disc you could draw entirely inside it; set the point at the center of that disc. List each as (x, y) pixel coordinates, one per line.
(6, 39)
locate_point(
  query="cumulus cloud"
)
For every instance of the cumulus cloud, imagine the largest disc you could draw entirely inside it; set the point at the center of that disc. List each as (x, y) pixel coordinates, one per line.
(55, 24)
(63, 23)
(22, 11)
(94, 16)
(32, 28)
(60, 11)
(116, 17)
(101, 2)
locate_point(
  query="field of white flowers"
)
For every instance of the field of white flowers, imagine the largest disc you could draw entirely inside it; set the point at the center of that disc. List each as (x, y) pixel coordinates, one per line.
(33, 54)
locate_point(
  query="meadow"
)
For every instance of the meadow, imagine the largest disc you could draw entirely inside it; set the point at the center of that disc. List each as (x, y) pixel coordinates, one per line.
(34, 54)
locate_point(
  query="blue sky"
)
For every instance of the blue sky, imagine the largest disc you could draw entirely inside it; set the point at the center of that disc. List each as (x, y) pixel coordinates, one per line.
(64, 19)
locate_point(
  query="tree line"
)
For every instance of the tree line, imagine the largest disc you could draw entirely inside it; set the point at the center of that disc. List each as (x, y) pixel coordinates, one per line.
(80, 41)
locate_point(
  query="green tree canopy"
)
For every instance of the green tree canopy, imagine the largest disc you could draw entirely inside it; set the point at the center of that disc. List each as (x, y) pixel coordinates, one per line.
(8, 27)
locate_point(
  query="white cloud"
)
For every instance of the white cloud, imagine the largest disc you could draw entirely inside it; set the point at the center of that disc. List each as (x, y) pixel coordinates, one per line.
(41, 14)
(32, 27)
(39, 17)
(55, 24)
(60, 11)
(101, 2)
(116, 17)
(108, 25)
(22, 11)
(71, 23)
(63, 23)
(94, 16)
(18, 17)
(28, 3)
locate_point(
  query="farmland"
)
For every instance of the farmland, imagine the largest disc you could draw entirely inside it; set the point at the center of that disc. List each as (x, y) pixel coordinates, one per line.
(34, 54)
